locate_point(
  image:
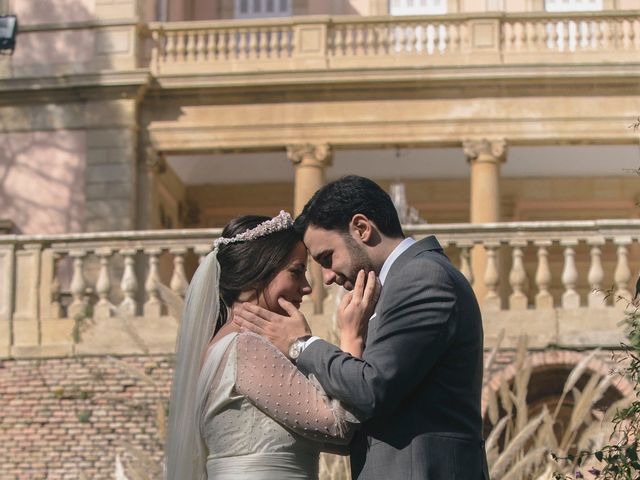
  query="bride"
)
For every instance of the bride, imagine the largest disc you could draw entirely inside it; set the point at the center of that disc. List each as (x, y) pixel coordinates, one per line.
(239, 409)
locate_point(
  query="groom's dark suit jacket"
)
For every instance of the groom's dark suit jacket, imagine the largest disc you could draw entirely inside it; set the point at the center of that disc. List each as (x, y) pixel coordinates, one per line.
(419, 380)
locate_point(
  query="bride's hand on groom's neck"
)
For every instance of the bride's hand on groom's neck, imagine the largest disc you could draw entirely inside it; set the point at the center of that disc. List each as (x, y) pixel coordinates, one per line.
(280, 330)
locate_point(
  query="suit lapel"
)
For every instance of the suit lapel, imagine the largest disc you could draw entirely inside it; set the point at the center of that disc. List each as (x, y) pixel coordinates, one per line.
(427, 243)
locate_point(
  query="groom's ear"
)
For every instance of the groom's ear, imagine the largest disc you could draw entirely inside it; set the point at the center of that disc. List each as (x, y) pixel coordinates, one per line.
(361, 227)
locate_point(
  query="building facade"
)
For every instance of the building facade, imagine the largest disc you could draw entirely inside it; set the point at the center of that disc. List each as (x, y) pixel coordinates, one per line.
(133, 130)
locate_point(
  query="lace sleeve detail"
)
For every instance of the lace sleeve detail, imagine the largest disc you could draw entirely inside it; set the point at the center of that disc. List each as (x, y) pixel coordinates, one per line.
(275, 386)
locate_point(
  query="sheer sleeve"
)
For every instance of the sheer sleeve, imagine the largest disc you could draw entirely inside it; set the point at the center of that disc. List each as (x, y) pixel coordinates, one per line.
(275, 386)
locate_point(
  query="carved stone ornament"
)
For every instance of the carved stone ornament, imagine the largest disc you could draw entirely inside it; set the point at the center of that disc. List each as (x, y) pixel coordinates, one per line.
(485, 150)
(310, 155)
(155, 161)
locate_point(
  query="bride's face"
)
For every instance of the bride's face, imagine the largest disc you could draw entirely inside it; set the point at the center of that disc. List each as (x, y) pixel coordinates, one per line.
(289, 283)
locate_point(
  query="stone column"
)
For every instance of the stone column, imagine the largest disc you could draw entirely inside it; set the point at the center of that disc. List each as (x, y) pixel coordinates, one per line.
(484, 157)
(310, 162)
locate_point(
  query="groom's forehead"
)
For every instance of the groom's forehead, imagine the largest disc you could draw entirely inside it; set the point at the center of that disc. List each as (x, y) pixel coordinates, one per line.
(318, 238)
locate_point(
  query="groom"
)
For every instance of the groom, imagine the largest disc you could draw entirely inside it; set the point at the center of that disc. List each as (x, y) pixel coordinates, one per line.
(419, 379)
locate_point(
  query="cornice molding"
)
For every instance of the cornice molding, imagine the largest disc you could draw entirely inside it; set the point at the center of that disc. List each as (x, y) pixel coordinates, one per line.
(85, 86)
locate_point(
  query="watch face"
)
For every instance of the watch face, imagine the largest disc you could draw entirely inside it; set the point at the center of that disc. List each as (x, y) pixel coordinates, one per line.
(295, 349)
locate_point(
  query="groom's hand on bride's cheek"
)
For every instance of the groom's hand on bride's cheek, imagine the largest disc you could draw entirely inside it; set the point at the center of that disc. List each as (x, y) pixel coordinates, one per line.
(281, 330)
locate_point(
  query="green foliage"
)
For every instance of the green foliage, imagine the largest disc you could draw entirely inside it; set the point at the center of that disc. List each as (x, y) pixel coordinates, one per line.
(79, 322)
(84, 416)
(619, 460)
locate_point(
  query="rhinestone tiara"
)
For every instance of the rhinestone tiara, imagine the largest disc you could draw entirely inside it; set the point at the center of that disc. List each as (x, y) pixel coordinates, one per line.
(281, 222)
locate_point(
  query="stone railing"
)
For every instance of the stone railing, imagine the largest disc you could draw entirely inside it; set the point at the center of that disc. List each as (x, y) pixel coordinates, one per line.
(345, 42)
(558, 282)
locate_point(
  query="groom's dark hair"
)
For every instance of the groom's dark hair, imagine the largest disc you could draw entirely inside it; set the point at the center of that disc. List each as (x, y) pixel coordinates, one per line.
(334, 205)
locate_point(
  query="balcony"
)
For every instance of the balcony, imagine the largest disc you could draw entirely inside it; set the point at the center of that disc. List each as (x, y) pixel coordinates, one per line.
(560, 283)
(339, 44)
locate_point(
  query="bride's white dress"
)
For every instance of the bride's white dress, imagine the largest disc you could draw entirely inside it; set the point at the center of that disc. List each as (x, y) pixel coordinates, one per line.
(260, 418)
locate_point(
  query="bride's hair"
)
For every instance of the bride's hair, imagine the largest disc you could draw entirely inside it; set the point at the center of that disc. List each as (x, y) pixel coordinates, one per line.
(250, 265)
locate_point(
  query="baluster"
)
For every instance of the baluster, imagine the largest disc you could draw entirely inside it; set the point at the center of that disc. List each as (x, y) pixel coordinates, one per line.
(608, 35)
(631, 34)
(627, 33)
(289, 41)
(213, 45)
(338, 41)
(542, 37)
(348, 40)
(430, 38)
(399, 35)
(156, 50)
(566, 37)
(243, 43)
(585, 34)
(442, 38)
(55, 309)
(104, 308)
(506, 31)
(524, 41)
(622, 274)
(513, 36)
(128, 284)
(274, 47)
(225, 41)
(200, 51)
(78, 285)
(491, 277)
(189, 46)
(531, 36)
(385, 39)
(599, 33)
(618, 34)
(554, 37)
(202, 251)
(570, 297)
(170, 49)
(465, 40)
(252, 39)
(359, 40)
(517, 278)
(433, 42)
(153, 305)
(263, 46)
(411, 38)
(370, 39)
(596, 298)
(544, 299)
(465, 260)
(178, 282)
(234, 44)
(454, 38)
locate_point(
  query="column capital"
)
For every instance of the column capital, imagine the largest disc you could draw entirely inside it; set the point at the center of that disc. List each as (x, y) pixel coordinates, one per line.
(318, 155)
(155, 161)
(485, 150)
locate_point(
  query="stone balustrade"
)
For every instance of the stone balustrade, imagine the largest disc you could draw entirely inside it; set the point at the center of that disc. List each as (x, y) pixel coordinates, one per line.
(565, 283)
(344, 42)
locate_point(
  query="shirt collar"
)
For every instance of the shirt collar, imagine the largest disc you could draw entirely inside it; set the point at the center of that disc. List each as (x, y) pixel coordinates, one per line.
(399, 250)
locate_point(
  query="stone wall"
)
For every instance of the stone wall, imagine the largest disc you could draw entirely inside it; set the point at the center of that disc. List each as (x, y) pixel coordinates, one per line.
(67, 418)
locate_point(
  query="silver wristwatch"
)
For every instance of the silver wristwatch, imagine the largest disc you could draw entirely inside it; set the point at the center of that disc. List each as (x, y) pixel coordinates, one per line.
(296, 348)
